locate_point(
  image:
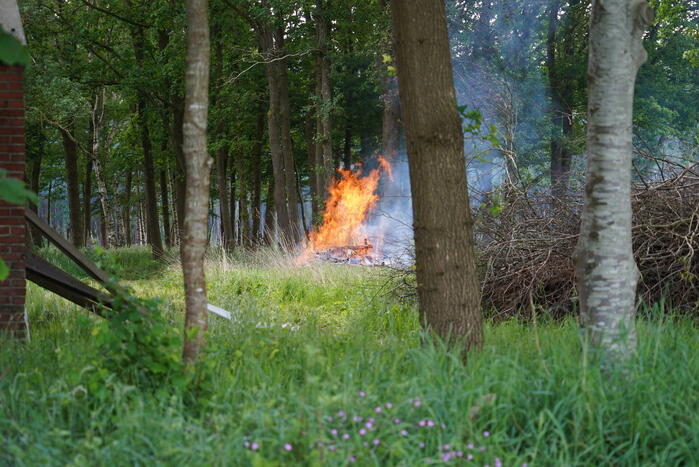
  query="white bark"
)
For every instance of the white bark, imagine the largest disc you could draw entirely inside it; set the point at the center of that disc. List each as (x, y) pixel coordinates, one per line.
(198, 177)
(607, 272)
(10, 20)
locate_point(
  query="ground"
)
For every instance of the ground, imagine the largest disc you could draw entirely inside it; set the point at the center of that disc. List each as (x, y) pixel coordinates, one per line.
(322, 367)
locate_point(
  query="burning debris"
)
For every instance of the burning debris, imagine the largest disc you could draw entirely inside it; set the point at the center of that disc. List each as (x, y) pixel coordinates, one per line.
(342, 237)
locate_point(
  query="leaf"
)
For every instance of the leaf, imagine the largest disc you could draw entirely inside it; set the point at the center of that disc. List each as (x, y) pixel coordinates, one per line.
(13, 190)
(12, 52)
(4, 270)
(387, 58)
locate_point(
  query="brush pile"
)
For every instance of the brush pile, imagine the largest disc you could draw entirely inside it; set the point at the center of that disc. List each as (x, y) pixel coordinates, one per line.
(526, 249)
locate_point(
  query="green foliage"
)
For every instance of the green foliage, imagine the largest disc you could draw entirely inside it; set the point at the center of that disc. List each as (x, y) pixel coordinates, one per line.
(137, 346)
(12, 52)
(12, 191)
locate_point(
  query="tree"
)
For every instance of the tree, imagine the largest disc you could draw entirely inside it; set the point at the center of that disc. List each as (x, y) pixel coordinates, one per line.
(448, 288)
(607, 272)
(198, 173)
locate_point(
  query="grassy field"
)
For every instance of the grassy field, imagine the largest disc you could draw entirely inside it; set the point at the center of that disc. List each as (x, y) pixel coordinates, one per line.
(321, 367)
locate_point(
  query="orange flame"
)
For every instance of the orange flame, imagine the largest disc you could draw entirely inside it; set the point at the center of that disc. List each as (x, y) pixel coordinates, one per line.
(351, 198)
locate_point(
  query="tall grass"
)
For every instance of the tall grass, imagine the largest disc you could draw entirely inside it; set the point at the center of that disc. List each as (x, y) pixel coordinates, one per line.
(314, 348)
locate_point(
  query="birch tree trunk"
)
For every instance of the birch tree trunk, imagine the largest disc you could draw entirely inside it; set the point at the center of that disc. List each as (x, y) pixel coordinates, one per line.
(606, 270)
(198, 173)
(324, 156)
(447, 284)
(97, 124)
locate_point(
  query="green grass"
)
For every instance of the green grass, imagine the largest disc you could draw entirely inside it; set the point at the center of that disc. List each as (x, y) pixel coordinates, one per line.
(329, 335)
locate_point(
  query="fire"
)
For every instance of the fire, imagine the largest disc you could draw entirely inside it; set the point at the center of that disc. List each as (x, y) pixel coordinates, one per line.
(351, 198)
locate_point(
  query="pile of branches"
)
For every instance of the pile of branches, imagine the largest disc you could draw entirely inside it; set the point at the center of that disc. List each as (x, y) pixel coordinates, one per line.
(526, 248)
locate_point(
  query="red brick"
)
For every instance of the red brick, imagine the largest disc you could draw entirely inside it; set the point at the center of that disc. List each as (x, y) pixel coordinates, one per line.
(13, 220)
(12, 122)
(13, 112)
(18, 300)
(13, 85)
(11, 103)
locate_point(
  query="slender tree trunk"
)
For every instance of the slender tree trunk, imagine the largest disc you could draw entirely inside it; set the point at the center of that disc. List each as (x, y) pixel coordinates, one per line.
(448, 287)
(235, 225)
(560, 118)
(224, 200)
(180, 169)
(87, 201)
(198, 170)
(34, 185)
(270, 215)
(316, 197)
(127, 206)
(257, 174)
(105, 209)
(72, 180)
(165, 204)
(391, 126)
(606, 270)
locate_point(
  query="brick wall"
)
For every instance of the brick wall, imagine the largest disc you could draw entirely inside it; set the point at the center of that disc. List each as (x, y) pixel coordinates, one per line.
(12, 223)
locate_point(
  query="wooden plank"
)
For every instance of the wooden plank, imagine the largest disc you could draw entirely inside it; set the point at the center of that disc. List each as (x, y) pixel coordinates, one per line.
(51, 278)
(66, 247)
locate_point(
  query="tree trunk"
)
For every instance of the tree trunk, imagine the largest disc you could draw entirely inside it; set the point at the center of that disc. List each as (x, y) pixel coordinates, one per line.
(34, 185)
(152, 223)
(561, 126)
(257, 174)
(325, 167)
(198, 170)
(70, 147)
(96, 124)
(165, 204)
(180, 168)
(606, 270)
(127, 206)
(224, 201)
(279, 130)
(391, 126)
(448, 287)
(87, 201)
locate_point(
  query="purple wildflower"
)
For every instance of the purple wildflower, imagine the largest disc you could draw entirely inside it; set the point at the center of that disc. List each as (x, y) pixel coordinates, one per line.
(470, 446)
(422, 445)
(362, 432)
(333, 432)
(254, 446)
(498, 462)
(446, 447)
(417, 403)
(352, 459)
(396, 421)
(368, 425)
(469, 457)
(389, 405)
(486, 434)
(341, 414)
(346, 436)
(356, 418)
(430, 423)
(377, 410)
(459, 454)
(288, 447)
(362, 393)
(246, 444)
(404, 432)
(422, 423)
(376, 442)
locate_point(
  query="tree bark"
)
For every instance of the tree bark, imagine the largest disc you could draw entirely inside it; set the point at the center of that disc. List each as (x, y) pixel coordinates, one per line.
(70, 147)
(447, 284)
(271, 40)
(87, 201)
(152, 222)
(96, 123)
(257, 174)
(198, 172)
(606, 270)
(127, 206)
(391, 126)
(325, 167)
(165, 204)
